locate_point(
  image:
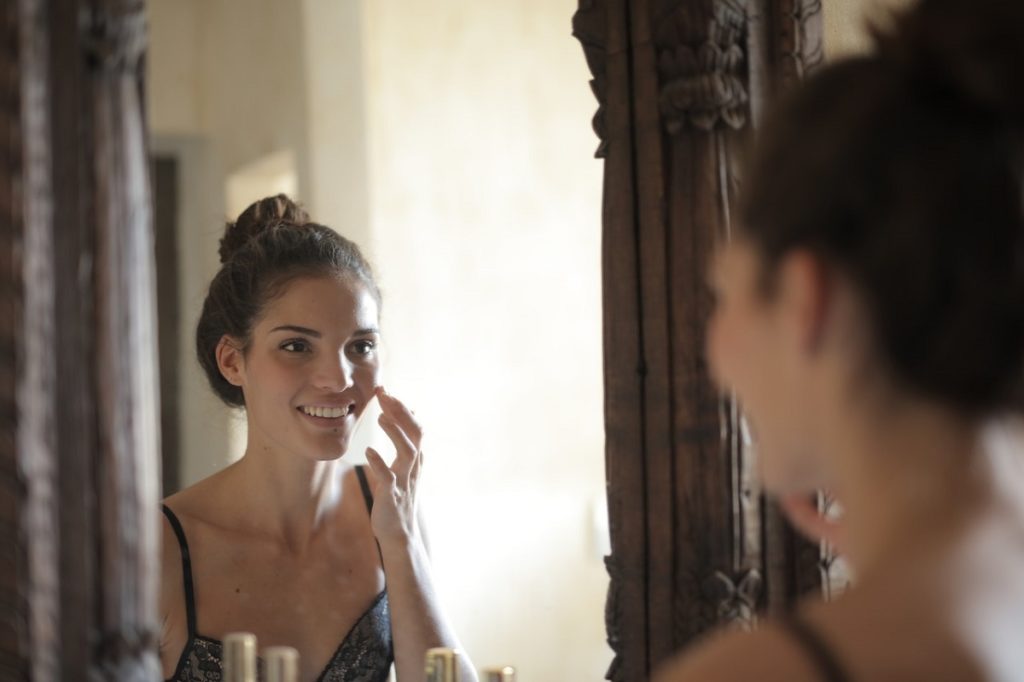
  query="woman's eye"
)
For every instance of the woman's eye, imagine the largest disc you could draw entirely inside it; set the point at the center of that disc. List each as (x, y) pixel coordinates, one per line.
(364, 347)
(295, 346)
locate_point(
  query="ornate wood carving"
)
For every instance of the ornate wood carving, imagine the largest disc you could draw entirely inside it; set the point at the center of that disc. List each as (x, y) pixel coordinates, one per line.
(736, 599)
(693, 542)
(798, 44)
(590, 26)
(702, 66)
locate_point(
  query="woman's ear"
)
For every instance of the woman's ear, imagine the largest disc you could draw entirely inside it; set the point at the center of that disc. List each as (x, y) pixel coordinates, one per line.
(806, 289)
(231, 360)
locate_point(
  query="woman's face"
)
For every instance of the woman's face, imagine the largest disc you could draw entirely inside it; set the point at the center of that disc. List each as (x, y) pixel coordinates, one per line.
(756, 347)
(311, 367)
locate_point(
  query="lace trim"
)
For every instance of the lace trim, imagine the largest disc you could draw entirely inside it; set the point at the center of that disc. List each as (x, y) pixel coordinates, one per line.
(365, 655)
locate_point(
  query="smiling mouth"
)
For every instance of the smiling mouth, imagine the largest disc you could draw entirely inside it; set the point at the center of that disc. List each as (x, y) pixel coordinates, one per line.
(327, 411)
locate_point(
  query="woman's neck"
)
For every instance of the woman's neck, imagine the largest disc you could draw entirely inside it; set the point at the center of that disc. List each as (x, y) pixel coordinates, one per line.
(911, 476)
(285, 495)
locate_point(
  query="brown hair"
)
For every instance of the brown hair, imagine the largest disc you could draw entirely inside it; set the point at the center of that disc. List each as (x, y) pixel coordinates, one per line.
(271, 243)
(903, 170)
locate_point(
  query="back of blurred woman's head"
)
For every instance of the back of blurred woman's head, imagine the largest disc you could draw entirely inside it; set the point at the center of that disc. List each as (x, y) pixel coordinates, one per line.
(903, 170)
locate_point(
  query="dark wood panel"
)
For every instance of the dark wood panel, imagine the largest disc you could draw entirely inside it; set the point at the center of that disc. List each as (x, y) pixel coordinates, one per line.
(602, 28)
(165, 228)
(14, 649)
(81, 584)
(36, 348)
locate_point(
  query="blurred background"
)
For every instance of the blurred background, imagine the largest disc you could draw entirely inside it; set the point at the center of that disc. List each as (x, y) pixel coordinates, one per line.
(452, 141)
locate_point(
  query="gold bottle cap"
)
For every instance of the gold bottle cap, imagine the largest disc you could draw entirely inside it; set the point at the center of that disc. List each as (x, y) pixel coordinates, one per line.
(504, 674)
(239, 657)
(281, 664)
(443, 665)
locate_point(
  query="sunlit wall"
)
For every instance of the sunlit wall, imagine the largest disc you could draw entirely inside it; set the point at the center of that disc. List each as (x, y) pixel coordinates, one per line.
(485, 215)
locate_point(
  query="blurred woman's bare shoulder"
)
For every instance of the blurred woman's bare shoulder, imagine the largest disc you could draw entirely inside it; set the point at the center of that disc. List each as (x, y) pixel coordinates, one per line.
(766, 654)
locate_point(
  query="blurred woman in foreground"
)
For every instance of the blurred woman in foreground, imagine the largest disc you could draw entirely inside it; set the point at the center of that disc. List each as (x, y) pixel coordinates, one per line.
(871, 319)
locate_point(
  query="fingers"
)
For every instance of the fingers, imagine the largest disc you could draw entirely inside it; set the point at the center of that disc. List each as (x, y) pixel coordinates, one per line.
(399, 423)
(404, 448)
(400, 414)
(381, 471)
(414, 474)
(802, 511)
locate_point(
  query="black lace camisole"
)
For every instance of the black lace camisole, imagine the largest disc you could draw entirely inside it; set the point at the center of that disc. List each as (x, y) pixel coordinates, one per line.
(365, 655)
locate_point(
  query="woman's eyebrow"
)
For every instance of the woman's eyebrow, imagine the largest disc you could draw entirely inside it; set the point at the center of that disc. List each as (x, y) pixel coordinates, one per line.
(368, 331)
(298, 330)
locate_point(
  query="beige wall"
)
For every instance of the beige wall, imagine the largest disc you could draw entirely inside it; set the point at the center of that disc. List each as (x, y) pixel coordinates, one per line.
(846, 23)
(485, 215)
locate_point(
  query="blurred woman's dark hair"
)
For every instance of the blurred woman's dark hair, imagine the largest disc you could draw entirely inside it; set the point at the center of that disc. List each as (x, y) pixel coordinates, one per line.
(903, 170)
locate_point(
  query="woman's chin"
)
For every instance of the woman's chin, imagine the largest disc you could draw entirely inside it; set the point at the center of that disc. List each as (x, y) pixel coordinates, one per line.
(330, 451)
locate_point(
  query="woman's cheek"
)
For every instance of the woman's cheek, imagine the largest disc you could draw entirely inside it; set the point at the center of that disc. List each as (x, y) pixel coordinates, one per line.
(368, 375)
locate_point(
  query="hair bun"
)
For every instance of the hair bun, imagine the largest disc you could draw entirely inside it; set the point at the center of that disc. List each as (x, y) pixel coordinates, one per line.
(972, 51)
(261, 216)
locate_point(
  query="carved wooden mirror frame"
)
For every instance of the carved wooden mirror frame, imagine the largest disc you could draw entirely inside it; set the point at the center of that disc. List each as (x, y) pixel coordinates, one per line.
(680, 86)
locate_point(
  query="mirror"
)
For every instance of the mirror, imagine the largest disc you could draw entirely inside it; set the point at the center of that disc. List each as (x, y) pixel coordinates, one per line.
(452, 142)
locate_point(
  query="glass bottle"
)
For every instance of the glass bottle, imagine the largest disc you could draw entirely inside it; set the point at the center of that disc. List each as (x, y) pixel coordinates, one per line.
(503, 674)
(239, 657)
(281, 664)
(443, 665)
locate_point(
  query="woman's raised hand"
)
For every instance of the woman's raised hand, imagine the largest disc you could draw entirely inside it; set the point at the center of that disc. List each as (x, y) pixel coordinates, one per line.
(802, 511)
(394, 494)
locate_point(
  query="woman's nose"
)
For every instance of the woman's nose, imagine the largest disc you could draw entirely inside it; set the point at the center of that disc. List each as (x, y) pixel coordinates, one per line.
(334, 373)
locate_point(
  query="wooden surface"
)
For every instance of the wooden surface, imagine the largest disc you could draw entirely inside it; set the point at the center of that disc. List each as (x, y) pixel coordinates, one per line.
(166, 199)
(80, 413)
(680, 86)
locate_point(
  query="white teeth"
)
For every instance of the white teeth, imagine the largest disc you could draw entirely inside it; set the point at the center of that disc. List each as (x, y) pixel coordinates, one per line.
(327, 412)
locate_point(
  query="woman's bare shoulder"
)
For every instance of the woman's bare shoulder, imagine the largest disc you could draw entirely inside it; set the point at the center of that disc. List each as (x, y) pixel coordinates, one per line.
(767, 655)
(199, 500)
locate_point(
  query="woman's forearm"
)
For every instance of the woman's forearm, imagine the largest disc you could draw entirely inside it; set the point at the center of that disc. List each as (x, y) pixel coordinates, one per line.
(417, 623)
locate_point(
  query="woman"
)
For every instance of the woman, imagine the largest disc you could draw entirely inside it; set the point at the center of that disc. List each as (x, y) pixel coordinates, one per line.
(290, 543)
(870, 317)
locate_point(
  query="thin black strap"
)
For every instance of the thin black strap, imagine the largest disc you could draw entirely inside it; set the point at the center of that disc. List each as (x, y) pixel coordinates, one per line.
(365, 485)
(186, 570)
(811, 642)
(368, 497)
